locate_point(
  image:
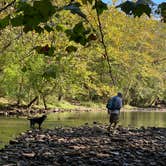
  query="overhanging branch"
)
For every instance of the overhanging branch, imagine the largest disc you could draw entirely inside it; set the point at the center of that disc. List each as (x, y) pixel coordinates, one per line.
(10, 4)
(105, 48)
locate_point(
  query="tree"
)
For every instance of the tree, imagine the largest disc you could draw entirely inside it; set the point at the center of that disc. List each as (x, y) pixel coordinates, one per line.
(87, 56)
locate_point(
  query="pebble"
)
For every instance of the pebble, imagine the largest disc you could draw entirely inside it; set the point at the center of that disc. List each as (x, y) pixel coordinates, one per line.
(87, 146)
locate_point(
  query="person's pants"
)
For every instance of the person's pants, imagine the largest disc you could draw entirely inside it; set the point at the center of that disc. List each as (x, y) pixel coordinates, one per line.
(114, 118)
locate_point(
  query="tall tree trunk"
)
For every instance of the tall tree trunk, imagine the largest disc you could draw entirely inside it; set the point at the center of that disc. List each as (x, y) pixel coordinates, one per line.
(44, 102)
(20, 91)
(127, 91)
(60, 95)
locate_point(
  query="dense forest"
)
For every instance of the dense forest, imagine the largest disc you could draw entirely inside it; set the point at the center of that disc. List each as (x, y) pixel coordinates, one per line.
(85, 54)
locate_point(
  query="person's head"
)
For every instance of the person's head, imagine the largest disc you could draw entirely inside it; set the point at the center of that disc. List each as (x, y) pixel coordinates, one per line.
(119, 94)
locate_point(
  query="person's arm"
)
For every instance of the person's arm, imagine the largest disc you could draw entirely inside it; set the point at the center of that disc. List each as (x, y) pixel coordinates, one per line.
(109, 105)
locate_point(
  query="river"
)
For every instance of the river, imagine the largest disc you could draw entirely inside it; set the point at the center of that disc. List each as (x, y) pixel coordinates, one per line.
(11, 127)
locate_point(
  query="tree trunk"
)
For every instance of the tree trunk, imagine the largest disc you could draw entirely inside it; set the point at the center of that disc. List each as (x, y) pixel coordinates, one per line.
(32, 101)
(60, 97)
(44, 102)
(20, 91)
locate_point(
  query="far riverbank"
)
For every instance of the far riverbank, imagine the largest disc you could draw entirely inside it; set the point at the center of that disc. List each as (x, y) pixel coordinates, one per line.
(21, 111)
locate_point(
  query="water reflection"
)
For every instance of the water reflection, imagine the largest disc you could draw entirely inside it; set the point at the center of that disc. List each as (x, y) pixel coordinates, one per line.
(135, 119)
(11, 127)
(138, 119)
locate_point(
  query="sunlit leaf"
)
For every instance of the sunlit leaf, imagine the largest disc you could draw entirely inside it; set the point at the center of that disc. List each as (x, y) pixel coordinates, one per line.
(59, 27)
(86, 1)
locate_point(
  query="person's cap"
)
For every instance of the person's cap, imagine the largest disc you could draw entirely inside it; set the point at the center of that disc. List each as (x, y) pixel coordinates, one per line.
(120, 94)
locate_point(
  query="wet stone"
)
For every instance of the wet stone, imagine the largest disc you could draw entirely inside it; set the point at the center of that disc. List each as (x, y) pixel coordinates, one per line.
(86, 146)
(29, 155)
(13, 141)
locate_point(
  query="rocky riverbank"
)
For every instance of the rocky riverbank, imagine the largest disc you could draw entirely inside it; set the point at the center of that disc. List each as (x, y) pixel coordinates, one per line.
(26, 112)
(31, 112)
(87, 146)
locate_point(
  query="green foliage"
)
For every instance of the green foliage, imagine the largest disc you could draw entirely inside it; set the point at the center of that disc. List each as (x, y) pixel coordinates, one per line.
(75, 9)
(46, 50)
(127, 7)
(30, 16)
(93, 105)
(99, 6)
(70, 49)
(162, 10)
(135, 8)
(4, 22)
(62, 104)
(86, 1)
(58, 60)
(48, 28)
(24, 69)
(140, 9)
(78, 34)
(50, 72)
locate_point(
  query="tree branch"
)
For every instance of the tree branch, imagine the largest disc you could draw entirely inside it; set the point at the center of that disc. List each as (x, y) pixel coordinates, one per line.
(104, 45)
(10, 4)
(10, 42)
(157, 61)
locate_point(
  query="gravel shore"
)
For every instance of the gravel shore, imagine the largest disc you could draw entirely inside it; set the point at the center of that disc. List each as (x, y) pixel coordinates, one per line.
(87, 146)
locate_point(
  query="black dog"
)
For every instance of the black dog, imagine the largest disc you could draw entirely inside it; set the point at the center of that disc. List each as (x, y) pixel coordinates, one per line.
(38, 120)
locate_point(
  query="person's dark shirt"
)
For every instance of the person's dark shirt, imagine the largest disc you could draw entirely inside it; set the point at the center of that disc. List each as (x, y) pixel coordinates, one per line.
(116, 104)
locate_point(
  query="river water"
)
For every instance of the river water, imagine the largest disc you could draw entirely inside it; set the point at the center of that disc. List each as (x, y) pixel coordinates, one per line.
(11, 127)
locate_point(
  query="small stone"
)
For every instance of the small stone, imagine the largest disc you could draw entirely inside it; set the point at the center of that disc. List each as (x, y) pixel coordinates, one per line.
(102, 155)
(115, 153)
(29, 139)
(92, 153)
(47, 154)
(29, 155)
(13, 142)
(152, 163)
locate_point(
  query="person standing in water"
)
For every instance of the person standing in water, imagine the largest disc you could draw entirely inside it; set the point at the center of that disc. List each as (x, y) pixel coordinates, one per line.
(114, 105)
